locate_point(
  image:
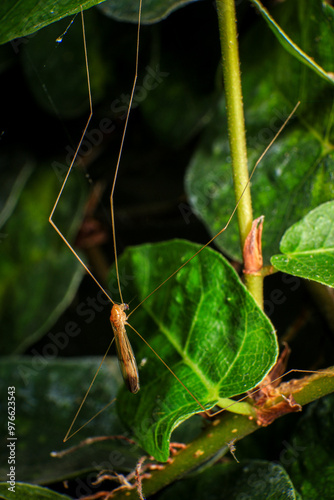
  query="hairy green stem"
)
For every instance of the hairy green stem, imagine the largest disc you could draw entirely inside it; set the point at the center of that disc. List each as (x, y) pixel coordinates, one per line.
(235, 113)
(236, 129)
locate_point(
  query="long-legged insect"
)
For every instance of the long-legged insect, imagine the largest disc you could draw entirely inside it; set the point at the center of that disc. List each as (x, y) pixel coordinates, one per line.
(118, 316)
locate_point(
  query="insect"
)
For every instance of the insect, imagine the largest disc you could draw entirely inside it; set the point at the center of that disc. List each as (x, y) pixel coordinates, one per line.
(118, 316)
(118, 325)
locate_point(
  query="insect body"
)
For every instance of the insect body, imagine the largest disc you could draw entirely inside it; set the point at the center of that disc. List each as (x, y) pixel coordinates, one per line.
(124, 350)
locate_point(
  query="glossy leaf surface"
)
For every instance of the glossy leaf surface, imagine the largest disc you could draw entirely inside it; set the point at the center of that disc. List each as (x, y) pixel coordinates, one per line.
(24, 18)
(205, 326)
(34, 256)
(255, 479)
(312, 466)
(29, 492)
(308, 247)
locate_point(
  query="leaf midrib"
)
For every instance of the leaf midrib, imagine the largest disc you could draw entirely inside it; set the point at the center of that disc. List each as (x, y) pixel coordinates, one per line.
(328, 250)
(184, 356)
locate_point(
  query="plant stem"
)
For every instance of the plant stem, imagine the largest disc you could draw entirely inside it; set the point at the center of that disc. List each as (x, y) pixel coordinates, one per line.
(254, 284)
(236, 129)
(235, 114)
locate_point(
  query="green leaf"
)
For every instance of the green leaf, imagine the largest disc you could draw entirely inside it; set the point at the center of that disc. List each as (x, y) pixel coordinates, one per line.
(24, 18)
(311, 465)
(325, 27)
(152, 10)
(29, 491)
(207, 328)
(255, 479)
(308, 247)
(296, 174)
(47, 395)
(32, 295)
(310, 24)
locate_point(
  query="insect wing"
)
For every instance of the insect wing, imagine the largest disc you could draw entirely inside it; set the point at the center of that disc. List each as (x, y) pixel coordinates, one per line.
(127, 361)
